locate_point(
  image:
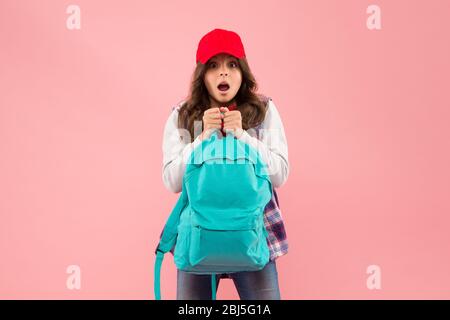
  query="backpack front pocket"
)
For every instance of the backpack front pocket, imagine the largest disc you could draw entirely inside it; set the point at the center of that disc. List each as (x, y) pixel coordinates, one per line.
(234, 250)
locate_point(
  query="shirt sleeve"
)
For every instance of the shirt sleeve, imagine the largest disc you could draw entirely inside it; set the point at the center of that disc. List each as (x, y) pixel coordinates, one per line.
(271, 145)
(176, 151)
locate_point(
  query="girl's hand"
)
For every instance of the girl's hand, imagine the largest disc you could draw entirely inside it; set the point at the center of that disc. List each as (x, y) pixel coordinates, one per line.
(232, 121)
(212, 119)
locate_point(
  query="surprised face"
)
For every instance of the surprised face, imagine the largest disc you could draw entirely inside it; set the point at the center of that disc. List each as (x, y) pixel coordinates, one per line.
(223, 79)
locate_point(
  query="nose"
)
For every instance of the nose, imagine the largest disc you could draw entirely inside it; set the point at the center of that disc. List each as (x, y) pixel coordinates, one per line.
(223, 71)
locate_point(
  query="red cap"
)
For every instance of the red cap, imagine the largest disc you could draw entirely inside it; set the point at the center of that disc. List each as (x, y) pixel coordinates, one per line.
(219, 41)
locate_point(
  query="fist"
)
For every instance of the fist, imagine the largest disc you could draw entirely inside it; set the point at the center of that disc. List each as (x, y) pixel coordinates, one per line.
(232, 121)
(212, 120)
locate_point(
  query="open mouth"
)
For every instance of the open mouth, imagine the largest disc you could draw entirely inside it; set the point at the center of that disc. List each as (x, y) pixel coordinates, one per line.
(223, 86)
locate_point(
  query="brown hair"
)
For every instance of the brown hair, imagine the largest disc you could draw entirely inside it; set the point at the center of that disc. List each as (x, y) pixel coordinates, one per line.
(251, 104)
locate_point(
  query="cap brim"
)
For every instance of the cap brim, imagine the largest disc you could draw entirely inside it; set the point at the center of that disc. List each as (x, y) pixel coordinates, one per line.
(205, 59)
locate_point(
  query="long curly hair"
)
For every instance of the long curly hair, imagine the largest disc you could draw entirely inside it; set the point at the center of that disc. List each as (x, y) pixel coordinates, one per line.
(248, 101)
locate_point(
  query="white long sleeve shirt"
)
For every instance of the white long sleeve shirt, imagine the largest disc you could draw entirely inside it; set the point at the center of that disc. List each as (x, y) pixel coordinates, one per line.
(272, 146)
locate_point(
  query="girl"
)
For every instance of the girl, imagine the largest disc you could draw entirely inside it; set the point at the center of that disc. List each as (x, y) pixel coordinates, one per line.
(223, 97)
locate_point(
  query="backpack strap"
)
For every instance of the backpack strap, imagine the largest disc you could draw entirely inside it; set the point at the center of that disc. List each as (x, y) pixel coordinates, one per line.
(213, 286)
(168, 239)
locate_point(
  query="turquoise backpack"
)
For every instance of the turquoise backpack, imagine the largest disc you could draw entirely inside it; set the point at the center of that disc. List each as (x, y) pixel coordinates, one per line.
(217, 224)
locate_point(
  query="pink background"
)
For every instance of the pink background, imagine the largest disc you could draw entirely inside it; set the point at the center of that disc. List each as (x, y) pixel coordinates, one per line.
(365, 112)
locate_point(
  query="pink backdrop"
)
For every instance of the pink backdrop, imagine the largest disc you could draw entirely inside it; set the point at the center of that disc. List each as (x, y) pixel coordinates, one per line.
(365, 111)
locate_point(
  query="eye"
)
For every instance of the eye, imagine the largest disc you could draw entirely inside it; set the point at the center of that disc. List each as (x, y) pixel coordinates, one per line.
(232, 64)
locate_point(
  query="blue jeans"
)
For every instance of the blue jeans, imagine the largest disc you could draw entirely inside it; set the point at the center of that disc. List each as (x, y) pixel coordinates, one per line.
(250, 285)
